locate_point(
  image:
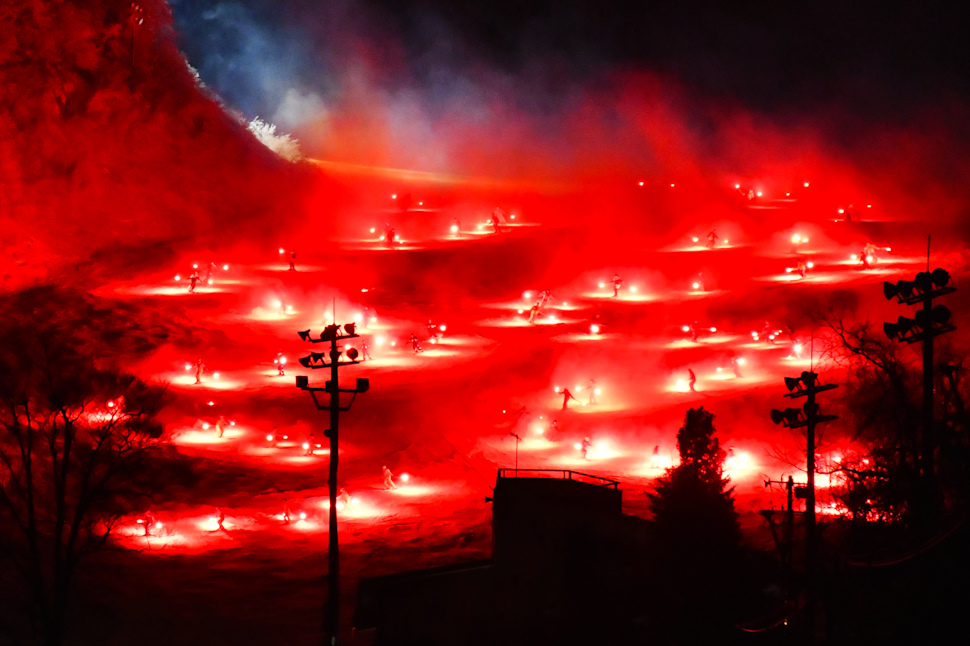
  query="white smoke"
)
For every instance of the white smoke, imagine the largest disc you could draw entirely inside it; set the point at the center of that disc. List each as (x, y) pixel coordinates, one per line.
(283, 145)
(298, 109)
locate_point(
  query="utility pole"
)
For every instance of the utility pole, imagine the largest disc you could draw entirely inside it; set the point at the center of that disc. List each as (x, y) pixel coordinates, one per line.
(807, 417)
(331, 334)
(784, 542)
(928, 322)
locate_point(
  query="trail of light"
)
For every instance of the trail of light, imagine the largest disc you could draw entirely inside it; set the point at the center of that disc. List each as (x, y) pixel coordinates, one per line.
(428, 177)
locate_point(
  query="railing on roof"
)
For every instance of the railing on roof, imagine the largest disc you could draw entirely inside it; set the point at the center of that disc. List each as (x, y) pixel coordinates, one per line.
(560, 474)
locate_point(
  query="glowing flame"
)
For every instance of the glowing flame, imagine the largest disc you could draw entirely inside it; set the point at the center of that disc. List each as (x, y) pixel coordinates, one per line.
(177, 277)
(205, 426)
(188, 366)
(394, 196)
(281, 250)
(696, 285)
(405, 477)
(527, 295)
(454, 228)
(695, 239)
(225, 267)
(442, 328)
(685, 328)
(594, 329)
(602, 285)
(633, 288)
(713, 329)
(737, 186)
(195, 266)
(854, 257)
(810, 264)
(805, 184)
(269, 437)
(741, 361)
(577, 446)
(597, 391)
(306, 445)
(758, 193)
(373, 230)
(210, 403)
(796, 238)
(641, 183)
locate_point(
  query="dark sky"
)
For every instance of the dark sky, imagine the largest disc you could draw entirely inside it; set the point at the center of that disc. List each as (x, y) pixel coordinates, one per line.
(876, 58)
(847, 71)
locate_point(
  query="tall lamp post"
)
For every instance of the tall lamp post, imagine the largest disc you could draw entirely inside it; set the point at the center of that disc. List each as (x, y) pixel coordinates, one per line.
(928, 322)
(807, 385)
(331, 334)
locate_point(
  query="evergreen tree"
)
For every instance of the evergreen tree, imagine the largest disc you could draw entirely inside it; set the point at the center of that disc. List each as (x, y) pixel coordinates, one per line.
(697, 537)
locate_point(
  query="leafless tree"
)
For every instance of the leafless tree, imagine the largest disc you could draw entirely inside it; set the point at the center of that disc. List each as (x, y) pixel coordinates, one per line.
(76, 436)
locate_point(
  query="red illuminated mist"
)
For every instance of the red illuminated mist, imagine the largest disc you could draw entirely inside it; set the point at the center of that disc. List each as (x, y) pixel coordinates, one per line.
(123, 178)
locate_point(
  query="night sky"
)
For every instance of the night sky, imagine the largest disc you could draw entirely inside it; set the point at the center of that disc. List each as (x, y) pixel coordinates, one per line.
(864, 60)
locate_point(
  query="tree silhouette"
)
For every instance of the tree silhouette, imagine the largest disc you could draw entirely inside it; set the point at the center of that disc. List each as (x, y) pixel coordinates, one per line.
(76, 440)
(697, 536)
(880, 476)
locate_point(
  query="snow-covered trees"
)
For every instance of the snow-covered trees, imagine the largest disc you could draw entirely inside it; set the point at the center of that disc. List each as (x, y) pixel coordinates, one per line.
(283, 145)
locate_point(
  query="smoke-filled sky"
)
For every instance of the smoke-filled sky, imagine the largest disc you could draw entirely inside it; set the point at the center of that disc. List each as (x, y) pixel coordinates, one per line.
(876, 58)
(530, 83)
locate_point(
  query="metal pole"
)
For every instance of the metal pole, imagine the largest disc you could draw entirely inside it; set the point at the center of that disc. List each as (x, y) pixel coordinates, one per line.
(333, 555)
(928, 430)
(928, 443)
(516, 451)
(810, 520)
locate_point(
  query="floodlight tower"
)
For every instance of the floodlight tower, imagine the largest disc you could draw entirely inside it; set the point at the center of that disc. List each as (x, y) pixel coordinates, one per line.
(807, 385)
(331, 334)
(928, 322)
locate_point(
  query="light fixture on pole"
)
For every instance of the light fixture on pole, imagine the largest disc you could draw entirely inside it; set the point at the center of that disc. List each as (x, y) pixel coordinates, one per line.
(331, 334)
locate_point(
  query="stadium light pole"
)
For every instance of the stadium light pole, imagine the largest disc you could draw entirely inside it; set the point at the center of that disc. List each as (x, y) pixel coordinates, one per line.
(928, 322)
(331, 334)
(807, 417)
